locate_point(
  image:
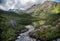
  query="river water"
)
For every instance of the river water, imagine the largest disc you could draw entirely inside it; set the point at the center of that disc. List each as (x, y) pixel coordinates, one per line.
(25, 36)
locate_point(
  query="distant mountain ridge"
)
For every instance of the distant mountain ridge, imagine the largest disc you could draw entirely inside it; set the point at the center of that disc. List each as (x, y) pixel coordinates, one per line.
(45, 7)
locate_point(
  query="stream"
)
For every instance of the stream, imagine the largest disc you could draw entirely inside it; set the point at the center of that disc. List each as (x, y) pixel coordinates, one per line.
(25, 36)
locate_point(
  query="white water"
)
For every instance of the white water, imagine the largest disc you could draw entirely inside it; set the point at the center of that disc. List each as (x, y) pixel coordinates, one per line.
(25, 36)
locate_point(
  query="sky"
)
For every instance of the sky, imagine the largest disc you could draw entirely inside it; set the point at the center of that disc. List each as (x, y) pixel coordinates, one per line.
(19, 4)
(57, 0)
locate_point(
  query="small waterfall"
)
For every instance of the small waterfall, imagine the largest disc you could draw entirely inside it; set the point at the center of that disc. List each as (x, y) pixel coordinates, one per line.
(58, 39)
(12, 23)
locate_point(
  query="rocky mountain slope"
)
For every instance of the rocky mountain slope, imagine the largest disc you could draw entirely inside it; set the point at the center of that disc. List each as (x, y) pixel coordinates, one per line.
(46, 7)
(49, 29)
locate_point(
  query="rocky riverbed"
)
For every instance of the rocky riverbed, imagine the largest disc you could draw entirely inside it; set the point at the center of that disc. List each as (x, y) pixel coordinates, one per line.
(26, 36)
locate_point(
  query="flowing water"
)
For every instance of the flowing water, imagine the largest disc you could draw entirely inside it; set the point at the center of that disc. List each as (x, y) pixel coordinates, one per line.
(25, 36)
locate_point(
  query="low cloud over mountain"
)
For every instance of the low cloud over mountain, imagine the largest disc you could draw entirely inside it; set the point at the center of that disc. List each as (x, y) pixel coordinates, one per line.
(18, 4)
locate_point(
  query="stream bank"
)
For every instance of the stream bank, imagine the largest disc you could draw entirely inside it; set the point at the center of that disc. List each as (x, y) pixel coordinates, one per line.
(26, 37)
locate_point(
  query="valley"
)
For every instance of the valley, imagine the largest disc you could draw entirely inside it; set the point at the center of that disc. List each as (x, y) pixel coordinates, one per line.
(38, 23)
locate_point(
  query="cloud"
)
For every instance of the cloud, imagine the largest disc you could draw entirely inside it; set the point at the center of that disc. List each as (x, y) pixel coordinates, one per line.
(8, 4)
(18, 4)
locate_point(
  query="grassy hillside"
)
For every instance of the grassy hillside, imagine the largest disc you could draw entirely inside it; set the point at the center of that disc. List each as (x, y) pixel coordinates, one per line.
(47, 29)
(8, 31)
(48, 8)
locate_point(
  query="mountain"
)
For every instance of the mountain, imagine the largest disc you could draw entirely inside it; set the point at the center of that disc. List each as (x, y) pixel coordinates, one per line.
(32, 8)
(46, 7)
(47, 30)
(28, 10)
(49, 11)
